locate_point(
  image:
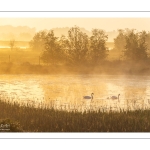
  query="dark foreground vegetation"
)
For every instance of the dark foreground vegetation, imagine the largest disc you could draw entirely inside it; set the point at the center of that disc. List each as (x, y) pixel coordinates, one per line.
(27, 119)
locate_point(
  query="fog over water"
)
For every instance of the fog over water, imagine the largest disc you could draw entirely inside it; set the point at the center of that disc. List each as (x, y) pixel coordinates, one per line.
(69, 89)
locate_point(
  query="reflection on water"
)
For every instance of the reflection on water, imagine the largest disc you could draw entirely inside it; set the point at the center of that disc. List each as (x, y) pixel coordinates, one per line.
(67, 91)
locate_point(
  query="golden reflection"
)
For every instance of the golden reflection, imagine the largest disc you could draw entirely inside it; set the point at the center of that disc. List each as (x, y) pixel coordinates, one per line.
(67, 91)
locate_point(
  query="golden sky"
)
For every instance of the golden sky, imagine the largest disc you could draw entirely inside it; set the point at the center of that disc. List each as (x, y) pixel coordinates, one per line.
(107, 24)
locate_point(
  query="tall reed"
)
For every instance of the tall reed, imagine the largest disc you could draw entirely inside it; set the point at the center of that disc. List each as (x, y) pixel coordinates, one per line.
(45, 119)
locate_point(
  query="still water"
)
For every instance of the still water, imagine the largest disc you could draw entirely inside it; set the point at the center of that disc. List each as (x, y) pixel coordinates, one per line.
(67, 91)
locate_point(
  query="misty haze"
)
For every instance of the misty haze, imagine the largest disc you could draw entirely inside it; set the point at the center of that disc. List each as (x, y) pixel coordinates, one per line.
(75, 75)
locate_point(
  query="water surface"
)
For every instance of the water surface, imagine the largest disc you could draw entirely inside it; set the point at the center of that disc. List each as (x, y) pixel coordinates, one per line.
(68, 90)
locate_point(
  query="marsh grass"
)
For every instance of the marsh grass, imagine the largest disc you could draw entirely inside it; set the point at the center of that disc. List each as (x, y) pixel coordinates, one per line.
(44, 119)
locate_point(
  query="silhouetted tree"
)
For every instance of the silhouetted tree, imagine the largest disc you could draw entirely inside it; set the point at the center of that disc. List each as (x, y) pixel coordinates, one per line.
(77, 45)
(98, 49)
(12, 44)
(136, 47)
(148, 43)
(52, 51)
(120, 42)
(38, 41)
(63, 42)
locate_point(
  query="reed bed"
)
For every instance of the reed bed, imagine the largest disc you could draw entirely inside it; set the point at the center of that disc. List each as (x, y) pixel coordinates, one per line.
(44, 119)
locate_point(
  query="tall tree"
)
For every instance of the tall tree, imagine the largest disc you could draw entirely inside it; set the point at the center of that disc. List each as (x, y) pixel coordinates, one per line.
(38, 41)
(63, 42)
(148, 43)
(136, 47)
(120, 41)
(98, 49)
(77, 45)
(12, 44)
(52, 52)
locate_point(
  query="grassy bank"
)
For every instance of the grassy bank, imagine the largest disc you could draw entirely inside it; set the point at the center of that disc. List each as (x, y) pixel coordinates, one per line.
(50, 120)
(107, 67)
(29, 62)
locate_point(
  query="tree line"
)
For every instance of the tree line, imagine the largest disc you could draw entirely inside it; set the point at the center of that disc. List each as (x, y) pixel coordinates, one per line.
(134, 45)
(78, 48)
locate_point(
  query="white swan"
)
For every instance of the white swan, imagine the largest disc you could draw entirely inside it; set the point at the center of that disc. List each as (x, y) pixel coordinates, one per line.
(114, 97)
(89, 97)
